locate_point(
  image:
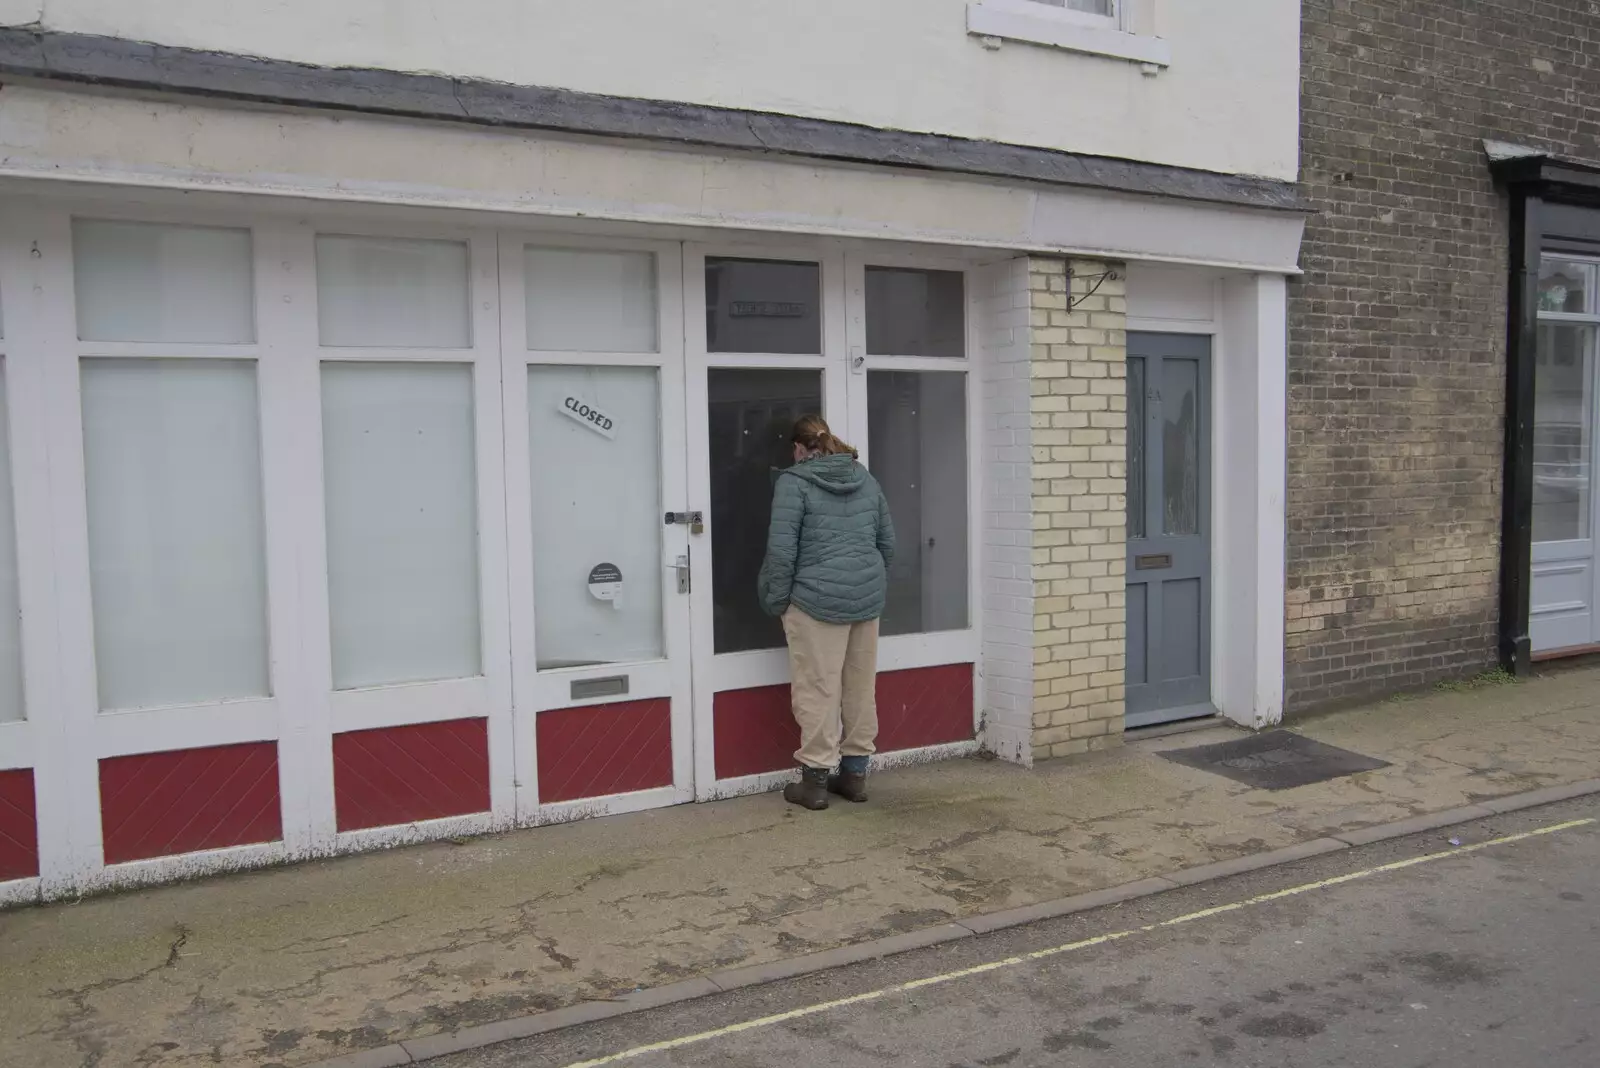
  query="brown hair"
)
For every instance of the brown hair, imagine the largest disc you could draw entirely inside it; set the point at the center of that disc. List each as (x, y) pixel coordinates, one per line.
(812, 432)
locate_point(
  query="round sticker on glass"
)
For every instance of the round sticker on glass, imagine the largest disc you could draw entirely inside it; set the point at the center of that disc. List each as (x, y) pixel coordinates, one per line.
(605, 583)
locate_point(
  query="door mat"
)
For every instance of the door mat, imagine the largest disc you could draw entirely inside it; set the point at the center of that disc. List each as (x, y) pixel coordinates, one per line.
(1276, 760)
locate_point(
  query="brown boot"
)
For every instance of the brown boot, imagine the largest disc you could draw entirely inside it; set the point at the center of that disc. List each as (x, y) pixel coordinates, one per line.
(850, 785)
(811, 792)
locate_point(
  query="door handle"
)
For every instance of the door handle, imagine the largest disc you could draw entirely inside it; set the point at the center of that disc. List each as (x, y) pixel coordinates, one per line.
(685, 573)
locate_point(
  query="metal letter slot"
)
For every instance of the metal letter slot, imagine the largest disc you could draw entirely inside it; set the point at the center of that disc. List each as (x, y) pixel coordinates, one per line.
(1152, 562)
(610, 686)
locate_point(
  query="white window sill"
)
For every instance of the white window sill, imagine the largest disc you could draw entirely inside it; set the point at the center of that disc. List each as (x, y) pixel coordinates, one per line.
(1008, 22)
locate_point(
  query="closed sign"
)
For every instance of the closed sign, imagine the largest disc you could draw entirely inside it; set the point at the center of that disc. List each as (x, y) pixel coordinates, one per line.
(590, 416)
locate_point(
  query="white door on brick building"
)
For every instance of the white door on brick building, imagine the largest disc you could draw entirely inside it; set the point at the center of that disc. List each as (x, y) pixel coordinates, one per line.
(1566, 582)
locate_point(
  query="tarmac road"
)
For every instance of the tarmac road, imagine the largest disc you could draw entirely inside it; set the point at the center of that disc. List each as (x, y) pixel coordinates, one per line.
(1487, 957)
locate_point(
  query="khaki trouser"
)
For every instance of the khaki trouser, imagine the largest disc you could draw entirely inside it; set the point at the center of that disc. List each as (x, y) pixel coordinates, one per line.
(833, 670)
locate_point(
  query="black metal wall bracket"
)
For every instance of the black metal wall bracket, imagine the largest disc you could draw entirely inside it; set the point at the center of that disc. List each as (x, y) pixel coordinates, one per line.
(1099, 280)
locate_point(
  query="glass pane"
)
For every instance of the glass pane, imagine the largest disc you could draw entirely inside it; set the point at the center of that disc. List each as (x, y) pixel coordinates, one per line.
(1136, 435)
(148, 282)
(1092, 7)
(917, 445)
(583, 301)
(387, 293)
(1563, 413)
(915, 313)
(763, 306)
(10, 603)
(177, 560)
(752, 414)
(1565, 286)
(1180, 447)
(400, 483)
(594, 436)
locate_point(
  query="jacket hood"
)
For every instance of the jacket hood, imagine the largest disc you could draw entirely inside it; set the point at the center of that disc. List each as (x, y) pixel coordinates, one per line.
(839, 473)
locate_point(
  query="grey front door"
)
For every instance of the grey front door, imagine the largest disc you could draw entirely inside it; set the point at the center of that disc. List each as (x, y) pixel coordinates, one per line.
(1169, 528)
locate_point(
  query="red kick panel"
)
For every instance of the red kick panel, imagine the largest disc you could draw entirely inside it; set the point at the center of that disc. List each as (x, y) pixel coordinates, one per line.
(753, 731)
(161, 804)
(599, 750)
(425, 771)
(19, 833)
(924, 706)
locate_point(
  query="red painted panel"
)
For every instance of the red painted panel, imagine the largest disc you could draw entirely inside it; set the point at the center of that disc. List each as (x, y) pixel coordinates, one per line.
(161, 804)
(425, 771)
(19, 831)
(753, 731)
(925, 706)
(598, 750)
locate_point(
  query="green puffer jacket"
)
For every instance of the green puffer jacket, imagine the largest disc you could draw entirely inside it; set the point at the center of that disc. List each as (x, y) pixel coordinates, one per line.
(830, 543)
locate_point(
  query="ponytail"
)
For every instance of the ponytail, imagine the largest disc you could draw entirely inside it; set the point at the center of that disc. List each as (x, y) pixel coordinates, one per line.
(812, 432)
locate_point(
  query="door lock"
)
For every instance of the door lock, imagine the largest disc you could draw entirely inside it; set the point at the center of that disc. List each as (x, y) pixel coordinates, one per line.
(685, 574)
(695, 521)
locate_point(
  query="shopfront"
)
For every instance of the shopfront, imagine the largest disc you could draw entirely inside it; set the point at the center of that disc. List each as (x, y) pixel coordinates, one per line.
(1550, 581)
(375, 482)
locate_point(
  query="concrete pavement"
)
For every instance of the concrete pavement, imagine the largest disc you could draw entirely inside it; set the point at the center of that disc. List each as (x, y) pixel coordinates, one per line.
(291, 966)
(1371, 957)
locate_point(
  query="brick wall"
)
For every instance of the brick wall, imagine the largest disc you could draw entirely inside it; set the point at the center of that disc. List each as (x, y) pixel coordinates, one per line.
(1078, 369)
(1397, 330)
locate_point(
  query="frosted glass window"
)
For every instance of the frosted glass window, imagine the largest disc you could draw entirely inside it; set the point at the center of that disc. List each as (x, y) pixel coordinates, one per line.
(764, 306)
(915, 313)
(177, 559)
(157, 283)
(10, 604)
(400, 479)
(380, 292)
(917, 448)
(1106, 8)
(586, 301)
(594, 439)
(1180, 448)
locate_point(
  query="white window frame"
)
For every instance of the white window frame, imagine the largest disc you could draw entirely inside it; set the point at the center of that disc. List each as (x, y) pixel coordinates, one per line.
(902, 652)
(69, 734)
(1034, 22)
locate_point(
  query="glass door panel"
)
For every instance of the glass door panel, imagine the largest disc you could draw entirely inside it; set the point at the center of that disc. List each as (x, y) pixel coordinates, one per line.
(594, 445)
(750, 417)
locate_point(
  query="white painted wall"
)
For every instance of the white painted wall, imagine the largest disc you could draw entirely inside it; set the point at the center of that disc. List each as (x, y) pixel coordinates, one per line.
(76, 136)
(1004, 425)
(1250, 525)
(1228, 102)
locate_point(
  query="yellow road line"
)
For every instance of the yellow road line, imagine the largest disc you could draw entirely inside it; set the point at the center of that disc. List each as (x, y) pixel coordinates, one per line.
(1052, 951)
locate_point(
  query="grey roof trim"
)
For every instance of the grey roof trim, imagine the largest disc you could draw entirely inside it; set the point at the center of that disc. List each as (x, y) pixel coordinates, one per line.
(116, 62)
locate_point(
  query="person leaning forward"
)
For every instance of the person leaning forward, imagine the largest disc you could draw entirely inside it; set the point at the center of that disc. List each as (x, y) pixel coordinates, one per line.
(826, 575)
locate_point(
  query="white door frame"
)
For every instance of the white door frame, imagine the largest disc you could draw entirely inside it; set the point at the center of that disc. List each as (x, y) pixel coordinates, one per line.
(669, 677)
(715, 673)
(1566, 573)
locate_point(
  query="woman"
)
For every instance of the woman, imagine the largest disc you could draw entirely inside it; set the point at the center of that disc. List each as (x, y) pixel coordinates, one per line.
(826, 574)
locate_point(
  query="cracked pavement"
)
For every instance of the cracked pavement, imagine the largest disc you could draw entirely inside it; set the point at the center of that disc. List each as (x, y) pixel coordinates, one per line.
(289, 966)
